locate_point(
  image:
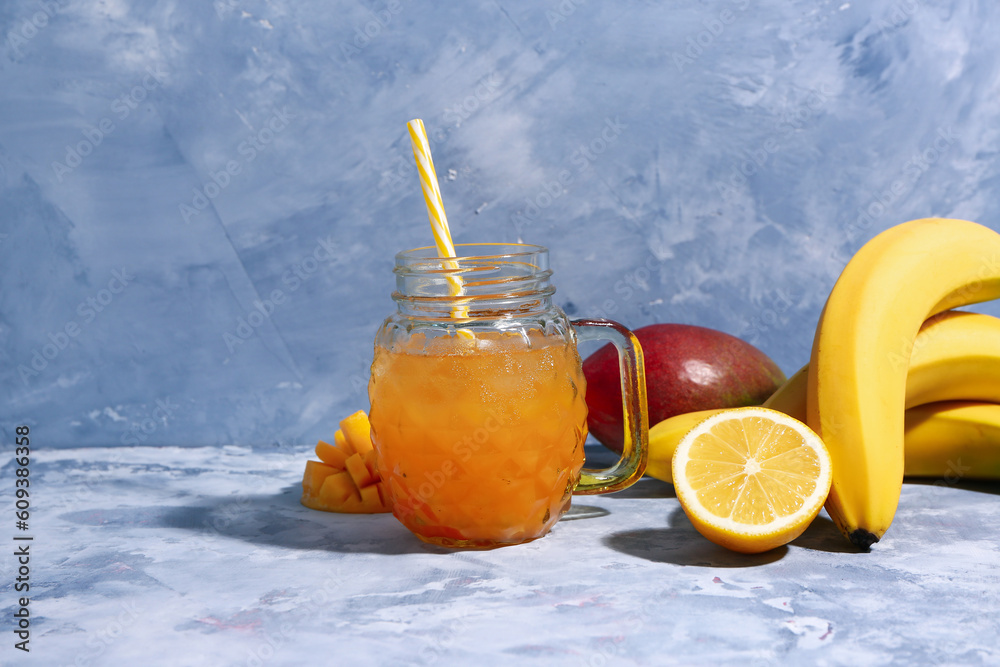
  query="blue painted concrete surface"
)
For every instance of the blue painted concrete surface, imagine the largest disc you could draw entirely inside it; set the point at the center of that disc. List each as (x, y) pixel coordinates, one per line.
(200, 202)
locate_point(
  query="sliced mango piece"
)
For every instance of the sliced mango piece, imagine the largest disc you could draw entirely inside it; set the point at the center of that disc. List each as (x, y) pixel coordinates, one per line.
(337, 488)
(357, 429)
(370, 496)
(312, 481)
(331, 454)
(316, 472)
(358, 471)
(341, 441)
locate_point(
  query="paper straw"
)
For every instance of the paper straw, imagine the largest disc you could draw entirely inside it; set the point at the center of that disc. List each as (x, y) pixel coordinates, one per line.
(435, 207)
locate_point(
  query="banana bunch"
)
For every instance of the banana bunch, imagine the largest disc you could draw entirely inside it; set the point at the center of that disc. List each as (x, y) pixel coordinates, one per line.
(898, 383)
(857, 387)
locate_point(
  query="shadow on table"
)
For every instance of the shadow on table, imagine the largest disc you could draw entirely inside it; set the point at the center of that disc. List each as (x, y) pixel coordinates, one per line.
(646, 487)
(275, 520)
(823, 535)
(977, 485)
(281, 520)
(681, 544)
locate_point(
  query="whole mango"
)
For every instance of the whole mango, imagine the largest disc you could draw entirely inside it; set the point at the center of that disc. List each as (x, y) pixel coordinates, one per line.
(688, 368)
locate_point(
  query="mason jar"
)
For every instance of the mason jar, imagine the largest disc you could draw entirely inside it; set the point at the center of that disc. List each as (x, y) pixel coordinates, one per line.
(478, 411)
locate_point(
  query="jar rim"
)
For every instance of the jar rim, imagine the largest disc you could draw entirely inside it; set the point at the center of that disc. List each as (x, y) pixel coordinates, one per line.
(514, 250)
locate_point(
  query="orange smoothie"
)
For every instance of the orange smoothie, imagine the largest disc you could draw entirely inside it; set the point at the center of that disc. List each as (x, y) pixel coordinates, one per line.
(479, 441)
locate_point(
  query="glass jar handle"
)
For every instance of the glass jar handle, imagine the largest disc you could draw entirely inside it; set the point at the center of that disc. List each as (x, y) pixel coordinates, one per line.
(635, 450)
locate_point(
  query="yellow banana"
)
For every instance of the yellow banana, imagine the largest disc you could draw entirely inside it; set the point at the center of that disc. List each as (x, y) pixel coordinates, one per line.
(956, 356)
(790, 397)
(664, 438)
(948, 440)
(953, 441)
(857, 382)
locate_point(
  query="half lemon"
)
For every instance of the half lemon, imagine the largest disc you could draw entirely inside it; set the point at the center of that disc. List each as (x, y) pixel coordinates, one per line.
(751, 479)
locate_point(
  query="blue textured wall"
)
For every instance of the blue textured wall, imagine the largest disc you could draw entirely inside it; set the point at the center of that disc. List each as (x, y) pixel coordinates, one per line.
(165, 166)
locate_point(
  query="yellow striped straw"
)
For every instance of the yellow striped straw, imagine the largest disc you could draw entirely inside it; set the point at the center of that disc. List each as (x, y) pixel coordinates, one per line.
(435, 207)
